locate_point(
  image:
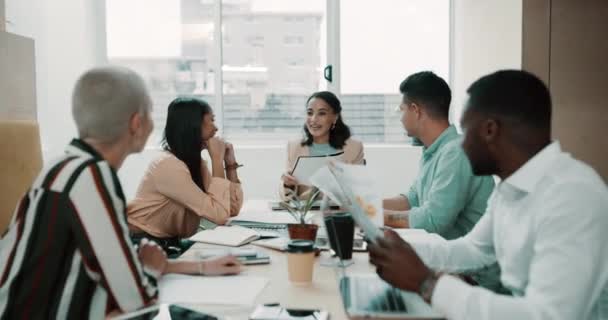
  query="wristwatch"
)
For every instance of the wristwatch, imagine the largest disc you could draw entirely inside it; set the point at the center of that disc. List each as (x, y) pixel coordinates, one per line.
(428, 286)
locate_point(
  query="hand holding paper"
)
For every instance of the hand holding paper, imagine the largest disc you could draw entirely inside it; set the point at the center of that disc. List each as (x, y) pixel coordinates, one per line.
(306, 166)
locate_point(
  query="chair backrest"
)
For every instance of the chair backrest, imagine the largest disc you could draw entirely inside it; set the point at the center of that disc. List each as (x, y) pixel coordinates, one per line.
(20, 163)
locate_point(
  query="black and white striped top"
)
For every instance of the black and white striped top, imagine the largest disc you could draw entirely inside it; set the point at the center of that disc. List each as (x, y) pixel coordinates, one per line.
(67, 252)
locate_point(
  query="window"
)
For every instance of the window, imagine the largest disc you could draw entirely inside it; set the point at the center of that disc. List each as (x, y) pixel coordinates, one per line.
(265, 100)
(295, 62)
(399, 38)
(273, 56)
(174, 57)
(254, 41)
(293, 40)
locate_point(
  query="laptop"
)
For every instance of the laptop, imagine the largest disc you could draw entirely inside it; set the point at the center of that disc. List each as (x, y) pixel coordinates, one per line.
(366, 296)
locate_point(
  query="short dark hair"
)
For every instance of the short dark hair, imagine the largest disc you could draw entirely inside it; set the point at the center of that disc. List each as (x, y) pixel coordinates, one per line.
(514, 94)
(182, 135)
(430, 90)
(341, 132)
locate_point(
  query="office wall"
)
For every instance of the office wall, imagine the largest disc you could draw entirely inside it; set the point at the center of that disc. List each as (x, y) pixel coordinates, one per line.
(2, 16)
(487, 37)
(565, 43)
(70, 38)
(17, 78)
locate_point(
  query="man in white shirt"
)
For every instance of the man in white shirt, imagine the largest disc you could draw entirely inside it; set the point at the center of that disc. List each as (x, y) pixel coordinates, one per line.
(546, 224)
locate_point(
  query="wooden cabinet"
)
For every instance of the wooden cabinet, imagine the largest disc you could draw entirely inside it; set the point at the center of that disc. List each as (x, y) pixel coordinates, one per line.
(565, 42)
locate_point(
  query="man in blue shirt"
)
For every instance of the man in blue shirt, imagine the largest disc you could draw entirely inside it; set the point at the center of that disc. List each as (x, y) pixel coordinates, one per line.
(446, 198)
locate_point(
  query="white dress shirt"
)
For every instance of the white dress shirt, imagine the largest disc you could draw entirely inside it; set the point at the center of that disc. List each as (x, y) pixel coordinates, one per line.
(547, 226)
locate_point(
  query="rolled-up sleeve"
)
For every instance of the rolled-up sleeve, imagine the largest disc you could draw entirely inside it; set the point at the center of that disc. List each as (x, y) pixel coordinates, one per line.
(412, 196)
(227, 192)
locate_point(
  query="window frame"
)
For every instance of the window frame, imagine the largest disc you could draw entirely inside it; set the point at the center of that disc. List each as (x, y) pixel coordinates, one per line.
(333, 59)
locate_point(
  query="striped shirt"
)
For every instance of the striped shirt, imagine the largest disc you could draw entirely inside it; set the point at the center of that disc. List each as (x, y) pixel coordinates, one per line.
(67, 252)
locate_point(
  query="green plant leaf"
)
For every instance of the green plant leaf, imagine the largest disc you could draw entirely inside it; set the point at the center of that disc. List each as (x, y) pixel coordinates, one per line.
(292, 211)
(310, 201)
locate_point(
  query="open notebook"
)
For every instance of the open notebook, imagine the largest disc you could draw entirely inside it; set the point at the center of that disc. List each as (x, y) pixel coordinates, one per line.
(233, 236)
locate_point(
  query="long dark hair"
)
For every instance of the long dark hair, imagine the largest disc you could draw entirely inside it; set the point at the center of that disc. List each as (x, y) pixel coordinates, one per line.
(182, 135)
(340, 133)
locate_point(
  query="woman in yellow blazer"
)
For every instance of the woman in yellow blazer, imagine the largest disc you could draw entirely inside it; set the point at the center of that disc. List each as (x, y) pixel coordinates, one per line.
(325, 133)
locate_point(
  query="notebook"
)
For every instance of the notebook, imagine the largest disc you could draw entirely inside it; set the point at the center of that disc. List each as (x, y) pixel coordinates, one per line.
(232, 236)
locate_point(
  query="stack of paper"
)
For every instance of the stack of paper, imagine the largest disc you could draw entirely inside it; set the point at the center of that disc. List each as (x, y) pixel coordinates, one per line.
(175, 288)
(233, 236)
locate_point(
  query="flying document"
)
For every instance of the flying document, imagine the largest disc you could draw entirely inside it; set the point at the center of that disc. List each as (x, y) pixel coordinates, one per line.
(352, 187)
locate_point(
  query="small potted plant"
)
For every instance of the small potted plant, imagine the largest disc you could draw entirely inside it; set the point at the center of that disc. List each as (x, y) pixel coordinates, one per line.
(298, 207)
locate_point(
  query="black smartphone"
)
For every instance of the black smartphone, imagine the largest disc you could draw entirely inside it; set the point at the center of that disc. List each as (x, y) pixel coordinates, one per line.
(174, 312)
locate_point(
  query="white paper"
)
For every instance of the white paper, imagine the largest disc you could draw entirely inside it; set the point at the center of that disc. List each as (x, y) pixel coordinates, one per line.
(227, 236)
(306, 166)
(231, 290)
(352, 186)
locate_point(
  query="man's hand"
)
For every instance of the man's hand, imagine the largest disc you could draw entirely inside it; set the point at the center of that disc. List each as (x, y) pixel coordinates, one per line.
(396, 219)
(398, 203)
(153, 257)
(397, 263)
(221, 266)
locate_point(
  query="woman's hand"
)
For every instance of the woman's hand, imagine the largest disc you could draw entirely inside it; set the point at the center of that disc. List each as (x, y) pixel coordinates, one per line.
(221, 266)
(153, 257)
(217, 149)
(289, 180)
(229, 157)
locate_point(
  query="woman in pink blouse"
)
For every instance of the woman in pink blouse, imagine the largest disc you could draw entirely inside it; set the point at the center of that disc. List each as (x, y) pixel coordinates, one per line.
(179, 188)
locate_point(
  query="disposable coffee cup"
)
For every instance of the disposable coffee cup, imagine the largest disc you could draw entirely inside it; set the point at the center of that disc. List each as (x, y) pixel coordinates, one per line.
(300, 261)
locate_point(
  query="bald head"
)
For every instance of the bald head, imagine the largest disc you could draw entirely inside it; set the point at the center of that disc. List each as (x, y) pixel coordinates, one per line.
(105, 99)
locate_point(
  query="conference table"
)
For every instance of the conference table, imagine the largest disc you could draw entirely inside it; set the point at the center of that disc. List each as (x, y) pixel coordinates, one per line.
(322, 293)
